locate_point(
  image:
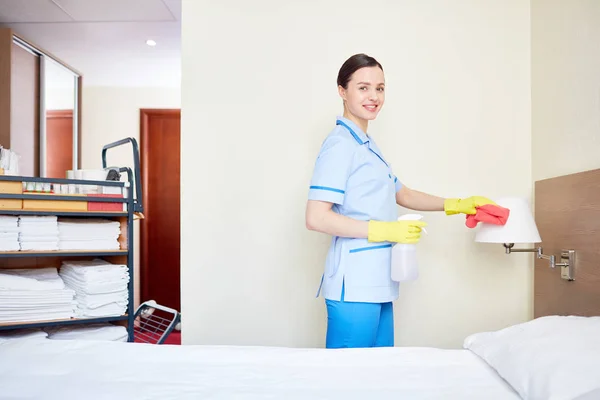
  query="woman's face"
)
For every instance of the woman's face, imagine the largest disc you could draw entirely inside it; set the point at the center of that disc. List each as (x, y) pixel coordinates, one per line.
(365, 94)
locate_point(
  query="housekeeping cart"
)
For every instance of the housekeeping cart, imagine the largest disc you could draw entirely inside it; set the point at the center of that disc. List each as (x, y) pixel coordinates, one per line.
(109, 199)
(154, 323)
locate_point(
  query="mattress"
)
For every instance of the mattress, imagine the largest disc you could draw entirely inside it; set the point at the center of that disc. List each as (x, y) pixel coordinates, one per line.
(112, 370)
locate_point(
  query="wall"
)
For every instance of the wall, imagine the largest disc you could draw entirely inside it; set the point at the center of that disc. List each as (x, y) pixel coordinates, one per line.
(565, 86)
(111, 114)
(456, 123)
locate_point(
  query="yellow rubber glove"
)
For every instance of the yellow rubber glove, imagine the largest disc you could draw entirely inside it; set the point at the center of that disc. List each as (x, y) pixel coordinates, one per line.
(465, 206)
(408, 232)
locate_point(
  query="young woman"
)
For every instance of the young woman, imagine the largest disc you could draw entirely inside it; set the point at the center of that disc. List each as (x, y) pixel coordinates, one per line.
(353, 197)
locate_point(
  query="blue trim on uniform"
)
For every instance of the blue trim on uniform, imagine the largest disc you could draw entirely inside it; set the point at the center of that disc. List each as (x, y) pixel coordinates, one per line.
(383, 246)
(374, 152)
(338, 122)
(357, 138)
(328, 188)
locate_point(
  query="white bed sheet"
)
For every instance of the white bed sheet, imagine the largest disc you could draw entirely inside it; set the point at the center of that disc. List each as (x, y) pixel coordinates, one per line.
(111, 370)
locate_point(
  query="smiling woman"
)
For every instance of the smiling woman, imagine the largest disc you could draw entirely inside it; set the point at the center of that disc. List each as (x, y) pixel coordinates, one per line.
(361, 85)
(353, 197)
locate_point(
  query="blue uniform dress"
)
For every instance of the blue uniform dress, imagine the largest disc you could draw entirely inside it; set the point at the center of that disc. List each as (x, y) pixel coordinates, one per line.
(352, 173)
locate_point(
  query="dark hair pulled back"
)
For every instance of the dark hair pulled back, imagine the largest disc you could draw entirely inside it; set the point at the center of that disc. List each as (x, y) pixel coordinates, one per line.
(352, 65)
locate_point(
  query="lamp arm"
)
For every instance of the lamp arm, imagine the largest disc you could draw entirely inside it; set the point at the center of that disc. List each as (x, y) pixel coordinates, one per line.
(540, 254)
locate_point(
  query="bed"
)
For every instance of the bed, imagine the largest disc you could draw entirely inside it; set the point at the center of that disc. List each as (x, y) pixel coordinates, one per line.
(551, 357)
(555, 356)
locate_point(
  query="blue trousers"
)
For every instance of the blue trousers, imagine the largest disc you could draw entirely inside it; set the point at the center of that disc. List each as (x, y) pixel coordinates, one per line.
(352, 324)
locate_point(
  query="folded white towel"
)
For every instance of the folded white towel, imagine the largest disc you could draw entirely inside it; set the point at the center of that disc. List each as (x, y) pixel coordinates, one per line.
(21, 306)
(98, 300)
(39, 246)
(4, 247)
(45, 231)
(41, 295)
(10, 229)
(43, 316)
(93, 236)
(37, 218)
(23, 334)
(108, 310)
(89, 245)
(39, 224)
(94, 287)
(31, 279)
(8, 223)
(93, 269)
(38, 238)
(73, 222)
(95, 276)
(88, 332)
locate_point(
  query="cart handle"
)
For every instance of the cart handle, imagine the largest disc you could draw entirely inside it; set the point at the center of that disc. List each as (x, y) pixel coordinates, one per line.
(137, 201)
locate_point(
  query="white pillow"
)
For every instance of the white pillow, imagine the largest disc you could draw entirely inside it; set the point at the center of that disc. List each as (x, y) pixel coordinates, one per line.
(550, 358)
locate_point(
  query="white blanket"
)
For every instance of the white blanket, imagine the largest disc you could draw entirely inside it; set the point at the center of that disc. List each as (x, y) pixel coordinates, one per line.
(111, 370)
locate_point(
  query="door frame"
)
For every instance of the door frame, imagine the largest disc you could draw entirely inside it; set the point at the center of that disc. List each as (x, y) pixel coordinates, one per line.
(145, 115)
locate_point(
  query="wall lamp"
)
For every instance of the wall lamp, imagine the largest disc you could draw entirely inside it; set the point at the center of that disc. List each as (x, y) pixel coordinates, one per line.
(521, 228)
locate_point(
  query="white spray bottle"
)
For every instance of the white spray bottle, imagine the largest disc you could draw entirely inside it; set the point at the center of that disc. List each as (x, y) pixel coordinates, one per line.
(404, 256)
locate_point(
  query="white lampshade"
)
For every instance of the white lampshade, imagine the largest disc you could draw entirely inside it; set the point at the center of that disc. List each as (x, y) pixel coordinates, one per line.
(519, 228)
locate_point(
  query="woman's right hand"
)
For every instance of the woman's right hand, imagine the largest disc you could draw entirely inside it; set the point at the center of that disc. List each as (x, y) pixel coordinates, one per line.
(408, 232)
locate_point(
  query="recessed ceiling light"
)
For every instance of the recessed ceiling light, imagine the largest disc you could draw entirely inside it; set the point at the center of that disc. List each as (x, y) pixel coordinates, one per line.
(150, 42)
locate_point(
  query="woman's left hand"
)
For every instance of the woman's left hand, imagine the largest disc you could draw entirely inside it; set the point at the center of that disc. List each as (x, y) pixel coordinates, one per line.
(465, 206)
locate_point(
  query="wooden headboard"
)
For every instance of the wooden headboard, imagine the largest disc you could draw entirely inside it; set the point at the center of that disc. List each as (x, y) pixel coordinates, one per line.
(567, 213)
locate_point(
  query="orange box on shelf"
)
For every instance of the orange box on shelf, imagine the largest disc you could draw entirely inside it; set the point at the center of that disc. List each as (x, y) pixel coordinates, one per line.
(11, 187)
(102, 206)
(11, 204)
(53, 204)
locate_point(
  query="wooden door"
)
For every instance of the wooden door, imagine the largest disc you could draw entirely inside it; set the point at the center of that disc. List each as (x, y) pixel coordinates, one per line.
(59, 143)
(159, 230)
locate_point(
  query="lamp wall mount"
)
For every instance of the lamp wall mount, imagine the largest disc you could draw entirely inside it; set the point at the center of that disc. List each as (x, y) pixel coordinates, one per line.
(566, 264)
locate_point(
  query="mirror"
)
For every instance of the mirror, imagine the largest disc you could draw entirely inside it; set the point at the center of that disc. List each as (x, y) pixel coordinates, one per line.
(58, 129)
(56, 145)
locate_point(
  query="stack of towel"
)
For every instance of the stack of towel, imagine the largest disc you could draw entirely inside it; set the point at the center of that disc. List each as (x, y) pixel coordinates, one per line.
(89, 234)
(34, 295)
(38, 233)
(9, 233)
(105, 332)
(100, 287)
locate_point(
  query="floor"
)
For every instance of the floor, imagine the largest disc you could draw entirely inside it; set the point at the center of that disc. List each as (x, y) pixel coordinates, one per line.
(174, 338)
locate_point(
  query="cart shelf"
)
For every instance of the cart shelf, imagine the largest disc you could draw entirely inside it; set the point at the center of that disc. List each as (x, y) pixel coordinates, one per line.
(65, 253)
(63, 213)
(60, 322)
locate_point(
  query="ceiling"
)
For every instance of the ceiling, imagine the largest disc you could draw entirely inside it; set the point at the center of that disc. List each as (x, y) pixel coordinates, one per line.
(105, 40)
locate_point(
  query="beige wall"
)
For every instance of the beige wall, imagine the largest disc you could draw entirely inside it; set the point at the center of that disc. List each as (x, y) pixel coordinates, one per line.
(111, 114)
(259, 97)
(565, 86)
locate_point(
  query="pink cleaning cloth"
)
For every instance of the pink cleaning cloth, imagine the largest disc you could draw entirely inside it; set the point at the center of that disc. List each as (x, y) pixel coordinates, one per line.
(488, 214)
